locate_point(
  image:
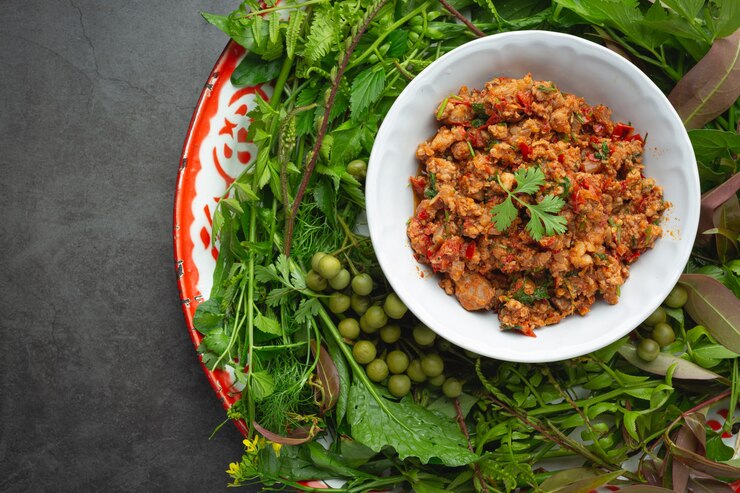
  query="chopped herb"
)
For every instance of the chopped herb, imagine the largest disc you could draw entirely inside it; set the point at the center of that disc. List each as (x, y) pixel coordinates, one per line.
(477, 122)
(540, 293)
(470, 148)
(601, 256)
(442, 107)
(480, 110)
(579, 117)
(447, 215)
(511, 327)
(431, 189)
(544, 88)
(603, 154)
(566, 187)
(619, 290)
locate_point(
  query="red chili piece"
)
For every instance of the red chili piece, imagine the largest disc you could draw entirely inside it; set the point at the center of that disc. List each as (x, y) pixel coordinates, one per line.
(470, 250)
(525, 150)
(561, 158)
(622, 131)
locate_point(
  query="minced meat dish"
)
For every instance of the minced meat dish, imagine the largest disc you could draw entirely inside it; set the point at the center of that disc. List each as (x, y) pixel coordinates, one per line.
(532, 203)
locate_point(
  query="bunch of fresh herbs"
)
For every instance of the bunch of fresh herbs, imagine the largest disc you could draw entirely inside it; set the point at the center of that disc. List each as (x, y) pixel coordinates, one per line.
(337, 67)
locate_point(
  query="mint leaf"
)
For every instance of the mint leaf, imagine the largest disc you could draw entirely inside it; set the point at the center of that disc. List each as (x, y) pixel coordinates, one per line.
(366, 89)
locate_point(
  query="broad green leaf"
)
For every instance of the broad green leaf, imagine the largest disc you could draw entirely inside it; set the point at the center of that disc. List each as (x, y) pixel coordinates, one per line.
(347, 143)
(343, 373)
(233, 28)
(398, 41)
(579, 480)
(684, 369)
(252, 70)
(715, 199)
(268, 325)
(726, 20)
(261, 384)
(208, 316)
(715, 307)
(711, 86)
(709, 144)
(424, 434)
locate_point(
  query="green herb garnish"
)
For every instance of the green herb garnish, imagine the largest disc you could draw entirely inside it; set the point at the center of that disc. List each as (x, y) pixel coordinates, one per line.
(543, 215)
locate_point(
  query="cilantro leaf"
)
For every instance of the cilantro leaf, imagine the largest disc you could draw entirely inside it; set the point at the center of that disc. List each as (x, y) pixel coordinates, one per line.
(543, 222)
(430, 191)
(366, 89)
(504, 214)
(529, 180)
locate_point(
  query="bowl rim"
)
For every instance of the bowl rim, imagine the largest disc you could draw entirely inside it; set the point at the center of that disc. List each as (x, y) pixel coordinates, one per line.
(688, 229)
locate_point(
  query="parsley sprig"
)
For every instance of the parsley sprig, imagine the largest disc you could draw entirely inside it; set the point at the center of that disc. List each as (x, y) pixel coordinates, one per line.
(544, 219)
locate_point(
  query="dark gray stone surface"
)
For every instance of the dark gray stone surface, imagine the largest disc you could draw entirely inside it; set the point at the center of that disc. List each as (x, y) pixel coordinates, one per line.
(100, 388)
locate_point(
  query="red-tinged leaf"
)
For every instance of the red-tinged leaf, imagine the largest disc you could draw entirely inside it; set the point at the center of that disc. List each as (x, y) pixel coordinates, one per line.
(687, 439)
(696, 424)
(711, 86)
(701, 463)
(327, 393)
(578, 480)
(297, 437)
(713, 200)
(709, 485)
(684, 369)
(643, 488)
(727, 223)
(715, 307)
(651, 470)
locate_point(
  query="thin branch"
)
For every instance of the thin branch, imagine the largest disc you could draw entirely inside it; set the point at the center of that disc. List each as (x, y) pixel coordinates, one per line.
(464, 429)
(452, 10)
(322, 131)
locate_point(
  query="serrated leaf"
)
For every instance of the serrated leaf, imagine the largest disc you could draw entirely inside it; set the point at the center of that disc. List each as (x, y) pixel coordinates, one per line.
(346, 145)
(233, 204)
(277, 296)
(528, 180)
(366, 89)
(268, 325)
(321, 35)
(711, 86)
(504, 214)
(307, 310)
(208, 316)
(293, 32)
(325, 198)
(424, 434)
(274, 26)
(257, 26)
(261, 384)
(398, 41)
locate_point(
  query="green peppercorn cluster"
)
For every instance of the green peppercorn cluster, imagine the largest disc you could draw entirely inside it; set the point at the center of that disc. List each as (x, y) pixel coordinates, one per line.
(661, 332)
(395, 348)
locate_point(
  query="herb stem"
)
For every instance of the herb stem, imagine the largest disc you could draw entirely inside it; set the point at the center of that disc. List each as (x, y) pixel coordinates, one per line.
(322, 131)
(400, 22)
(281, 7)
(452, 10)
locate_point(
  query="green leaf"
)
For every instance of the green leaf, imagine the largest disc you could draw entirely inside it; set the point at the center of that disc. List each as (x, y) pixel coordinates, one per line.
(709, 144)
(217, 341)
(344, 384)
(578, 480)
(268, 325)
(293, 32)
(233, 28)
(716, 448)
(504, 214)
(347, 144)
(529, 180)
(252, 70)
(660, 366)
(727, 18)
(307, 310)
(398, 41)
(274, 26)
(323, 31)
(425, 435)
(261, 384)
(208, 316)
(366, 89)
(325, 198)
(542, 222)
(715, 307)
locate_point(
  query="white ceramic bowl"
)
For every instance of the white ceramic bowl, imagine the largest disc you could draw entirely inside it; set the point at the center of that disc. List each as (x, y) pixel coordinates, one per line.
(576, 66)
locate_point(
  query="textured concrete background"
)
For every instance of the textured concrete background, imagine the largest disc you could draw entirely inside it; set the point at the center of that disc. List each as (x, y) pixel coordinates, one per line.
(100, 388)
